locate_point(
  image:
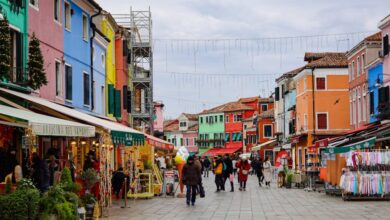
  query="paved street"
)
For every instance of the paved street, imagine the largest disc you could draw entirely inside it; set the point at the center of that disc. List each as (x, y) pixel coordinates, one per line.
(255, 203)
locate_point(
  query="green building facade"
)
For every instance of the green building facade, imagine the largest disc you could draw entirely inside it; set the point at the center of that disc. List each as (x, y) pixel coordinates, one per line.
(211, 130)
(16, 13)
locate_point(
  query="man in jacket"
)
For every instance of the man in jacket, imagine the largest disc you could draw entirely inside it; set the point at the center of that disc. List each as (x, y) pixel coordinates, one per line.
(206, 166)
(227, 171)
(191, 178)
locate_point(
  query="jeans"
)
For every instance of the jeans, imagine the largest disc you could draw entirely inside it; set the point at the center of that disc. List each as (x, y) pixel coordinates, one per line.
(191, 193)
(243, 184)
(219, 181)
(206, 171)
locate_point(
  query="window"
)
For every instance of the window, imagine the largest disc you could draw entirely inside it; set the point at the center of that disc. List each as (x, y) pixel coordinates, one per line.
(227, 119)
(103, 97)
(187, 142)
(350, 110)
(34, 3)
(16, 50)
(221, 118)
(103, 59)
(305, 122)
(57, 10)
(359, 107)
(267, 132)
(322, 121)
(372, 103)
(350, 72)
(237, 118)
(201, 120)
(363, 63)
(216, 119)
(86, 89)
(169, 140)
(68, 82)
(68, 16)
(58, 78)
(264, 107)
(353, 70)
(183, 124)
(211, 120)
(385, 45)
(207, 119)
(195, 141)
(181, 141)
(227, 137)
(320, 83)
(364, 104)
(358, 66)
(304, 85)
(85, 27)
(277, 94)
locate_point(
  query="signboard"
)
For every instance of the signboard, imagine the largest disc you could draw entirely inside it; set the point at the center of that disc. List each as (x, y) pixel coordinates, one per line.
(355, 146)
(322, 143)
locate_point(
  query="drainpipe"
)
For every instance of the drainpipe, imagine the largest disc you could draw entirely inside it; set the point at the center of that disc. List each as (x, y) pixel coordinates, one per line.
(313, 102)
(93, 26)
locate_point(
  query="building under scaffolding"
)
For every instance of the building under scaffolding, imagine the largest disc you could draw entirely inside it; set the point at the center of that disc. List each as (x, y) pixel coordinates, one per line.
(139, 23)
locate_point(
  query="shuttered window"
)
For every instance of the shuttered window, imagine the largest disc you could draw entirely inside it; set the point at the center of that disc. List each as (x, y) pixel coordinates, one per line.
(320, 83)
(86, 89)
(128, 101)
(111, 99)
(386, 45)
(322, 121)
(267, 131)
(68, 82)
(277, 94)
(117, 111)
(372, 110)
(124, 90)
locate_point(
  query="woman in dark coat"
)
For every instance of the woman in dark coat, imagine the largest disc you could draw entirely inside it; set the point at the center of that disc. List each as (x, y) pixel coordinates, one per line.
(40, 173)
(191, 177)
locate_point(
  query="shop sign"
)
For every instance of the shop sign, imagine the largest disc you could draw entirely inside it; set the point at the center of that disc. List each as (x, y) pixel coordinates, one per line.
(322, 143)
(127, 139)
(295, 140)
(356, 146)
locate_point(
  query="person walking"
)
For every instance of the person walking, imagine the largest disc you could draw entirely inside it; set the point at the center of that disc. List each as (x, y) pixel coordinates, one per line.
(267, 169)
(191, 178)
(218, 169)
(259, 171)
(206, 166)
(227, 172)
(234, 161)
(117, 181)
(244, 167)
(40, 174)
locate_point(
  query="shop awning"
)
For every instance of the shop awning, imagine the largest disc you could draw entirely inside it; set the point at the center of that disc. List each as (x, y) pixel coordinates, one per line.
(258, 147)
(276, 149)
(121, 134)
(221, 151)
(159, 143)
(368, 143)
(45, 125)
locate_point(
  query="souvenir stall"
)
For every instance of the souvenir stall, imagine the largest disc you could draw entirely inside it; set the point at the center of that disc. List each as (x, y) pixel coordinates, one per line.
(34, 126)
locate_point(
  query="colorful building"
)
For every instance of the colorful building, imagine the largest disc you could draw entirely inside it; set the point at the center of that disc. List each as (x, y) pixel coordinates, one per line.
(358, 57)
(266, 132)
(384, 85)
(16, 13)
(322, 101)
(375, 74)
(158, 122)
(183, 131)
(211, 129)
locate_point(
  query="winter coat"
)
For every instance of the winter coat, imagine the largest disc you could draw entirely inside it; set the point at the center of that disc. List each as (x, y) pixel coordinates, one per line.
(267, 171)
(206, 163)
(191, 175)
(41, 175)
(244, 167)
(229, 167)
(117, 180)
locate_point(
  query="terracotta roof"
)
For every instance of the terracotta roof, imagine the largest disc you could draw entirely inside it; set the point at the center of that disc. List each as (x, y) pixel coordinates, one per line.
(374, 37)
(267, 114)
(266, 100)
(291, 73)
(228, 107)
(191, 117)
(326, 60)
(173, 126)
(193, 127)
(249, 99)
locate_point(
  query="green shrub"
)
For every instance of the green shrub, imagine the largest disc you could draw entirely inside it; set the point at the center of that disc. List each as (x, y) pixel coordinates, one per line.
(88, 199)
(66, 176)
(21, 204)
(60, 203)
(8, 186)
(26, 184)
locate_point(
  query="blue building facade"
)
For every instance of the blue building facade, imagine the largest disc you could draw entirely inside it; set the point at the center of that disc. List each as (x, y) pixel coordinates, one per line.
(375, 75)
(77, 52)
(100, 44)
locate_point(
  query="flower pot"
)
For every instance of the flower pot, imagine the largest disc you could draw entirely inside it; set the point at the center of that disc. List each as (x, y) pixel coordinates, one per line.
(89, 208)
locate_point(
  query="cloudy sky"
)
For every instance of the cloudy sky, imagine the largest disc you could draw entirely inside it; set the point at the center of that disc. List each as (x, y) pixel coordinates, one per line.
(207, 52)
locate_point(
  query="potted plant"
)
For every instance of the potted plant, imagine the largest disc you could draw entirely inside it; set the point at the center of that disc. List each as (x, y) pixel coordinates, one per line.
(89, 202)
(59, 204)
(90, 178)
(289, 178)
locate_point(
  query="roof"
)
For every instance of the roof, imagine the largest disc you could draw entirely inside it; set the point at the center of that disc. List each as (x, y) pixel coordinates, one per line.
(48, 126)
(384, 22)
(173, 125)
(267, 114)
(374, 37)
(249, 99)
(326, 60)
(266, 100)
(228, 107)
(291, 73)
(193, 127)
(95, 4)
(191, 117)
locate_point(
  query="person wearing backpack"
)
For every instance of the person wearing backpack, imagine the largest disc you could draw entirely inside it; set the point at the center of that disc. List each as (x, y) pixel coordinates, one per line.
(206, 166)
(227, 171)
(218, 171)
(244, 167)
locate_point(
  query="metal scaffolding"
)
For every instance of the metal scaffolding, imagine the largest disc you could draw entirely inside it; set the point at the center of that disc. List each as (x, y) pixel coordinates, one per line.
(139, 23)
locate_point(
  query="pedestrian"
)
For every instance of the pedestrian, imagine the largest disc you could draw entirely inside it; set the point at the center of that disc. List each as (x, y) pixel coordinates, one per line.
(234, 161)
(227, 172)
(267, 170)
(117, 181)
(254, 166)
(218, 169)
(40, 174)
(206, 166)
(259, 171)
(197, 163)
(53, 168)
(89, 161)
(191, 178)
(244, 167)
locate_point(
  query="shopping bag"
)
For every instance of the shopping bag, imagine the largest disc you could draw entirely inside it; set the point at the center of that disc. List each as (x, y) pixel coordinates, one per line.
(201, 191)
(231, 178)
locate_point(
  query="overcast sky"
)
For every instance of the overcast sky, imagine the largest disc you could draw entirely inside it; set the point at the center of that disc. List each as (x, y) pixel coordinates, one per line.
(192, 75)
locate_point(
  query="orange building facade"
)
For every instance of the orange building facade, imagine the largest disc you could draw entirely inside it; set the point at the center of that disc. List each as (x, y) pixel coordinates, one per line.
(322, 102)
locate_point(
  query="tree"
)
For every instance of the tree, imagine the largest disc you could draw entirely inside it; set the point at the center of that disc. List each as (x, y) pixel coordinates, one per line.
(5, 45)
(36, 72)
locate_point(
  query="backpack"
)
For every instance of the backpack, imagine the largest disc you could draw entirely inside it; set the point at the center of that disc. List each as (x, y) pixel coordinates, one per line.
(224, 166)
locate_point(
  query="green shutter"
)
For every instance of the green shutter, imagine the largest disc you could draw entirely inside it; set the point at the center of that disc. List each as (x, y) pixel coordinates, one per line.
(234, 137)
(227, 137)
(117, 110)
(111, 99)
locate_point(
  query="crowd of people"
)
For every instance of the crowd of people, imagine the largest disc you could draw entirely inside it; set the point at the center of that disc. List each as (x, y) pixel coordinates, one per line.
(224, 168)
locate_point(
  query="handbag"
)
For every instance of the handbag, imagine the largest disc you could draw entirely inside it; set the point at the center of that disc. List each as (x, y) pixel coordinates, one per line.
(245, 172)
(202, 193)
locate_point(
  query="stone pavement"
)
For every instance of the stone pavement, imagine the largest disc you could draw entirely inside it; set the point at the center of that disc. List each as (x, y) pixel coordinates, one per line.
(255, 203)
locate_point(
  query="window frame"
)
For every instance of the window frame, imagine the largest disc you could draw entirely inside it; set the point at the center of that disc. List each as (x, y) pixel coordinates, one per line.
(58, 20)
(35, 5)
(66, 80)
(264, 133)
(327, 121)
(58, 76)
(227, 119)
(262, 107)
(88, 87)
(316, 84)
(353, 70)
(85, 30)
(66, 16)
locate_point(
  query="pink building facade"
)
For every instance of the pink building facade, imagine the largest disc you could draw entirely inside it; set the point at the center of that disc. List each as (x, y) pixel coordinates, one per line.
(49, 31)
(158, 123)
(384, 25)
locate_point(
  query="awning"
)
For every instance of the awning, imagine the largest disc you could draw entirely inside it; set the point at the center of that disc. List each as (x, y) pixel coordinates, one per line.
(121, 134)
(258, 147)
(159, 143)
(47, 126)
(221, 151)
(368, 143)
(276, 149)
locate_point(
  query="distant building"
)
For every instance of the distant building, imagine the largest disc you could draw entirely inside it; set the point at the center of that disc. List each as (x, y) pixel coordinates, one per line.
(158, 120)
(384, 105)
(183, 132)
